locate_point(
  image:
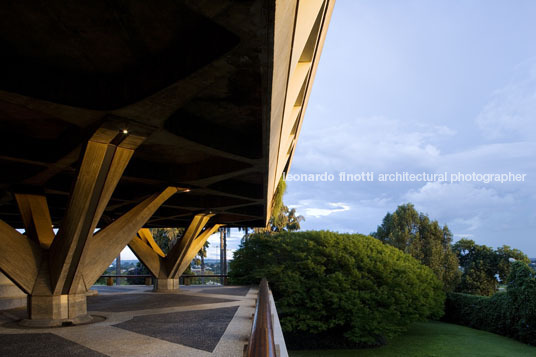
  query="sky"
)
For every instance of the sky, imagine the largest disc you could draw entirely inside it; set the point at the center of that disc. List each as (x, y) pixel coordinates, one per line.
(424, 86)
(444, 87)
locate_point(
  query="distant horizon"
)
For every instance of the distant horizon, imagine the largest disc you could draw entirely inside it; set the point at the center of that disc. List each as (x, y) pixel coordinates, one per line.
(233, 241)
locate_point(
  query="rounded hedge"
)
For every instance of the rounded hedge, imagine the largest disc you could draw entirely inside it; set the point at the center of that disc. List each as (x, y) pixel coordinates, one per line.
(343, 288)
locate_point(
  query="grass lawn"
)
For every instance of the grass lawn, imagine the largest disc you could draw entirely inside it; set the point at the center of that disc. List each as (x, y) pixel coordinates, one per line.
(437, 339)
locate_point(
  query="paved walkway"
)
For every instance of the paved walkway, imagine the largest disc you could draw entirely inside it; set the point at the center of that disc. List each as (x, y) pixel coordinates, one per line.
(132, 321)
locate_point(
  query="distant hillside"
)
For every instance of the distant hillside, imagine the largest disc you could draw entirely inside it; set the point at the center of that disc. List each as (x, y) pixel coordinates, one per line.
(213, 261)
(125, 262)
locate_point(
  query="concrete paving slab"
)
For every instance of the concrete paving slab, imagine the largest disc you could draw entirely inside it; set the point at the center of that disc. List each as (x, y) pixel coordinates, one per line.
(235, 290)
(133, 302)
(198, 329)
(42, 345)
(188, 323)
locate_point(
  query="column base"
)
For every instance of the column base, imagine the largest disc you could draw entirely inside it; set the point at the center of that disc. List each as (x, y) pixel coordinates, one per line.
(80, 320)
(57, 310)
(166, 285)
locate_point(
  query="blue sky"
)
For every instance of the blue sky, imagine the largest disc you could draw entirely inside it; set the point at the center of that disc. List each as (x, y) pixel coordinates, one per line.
(423, 86)
(433, 86)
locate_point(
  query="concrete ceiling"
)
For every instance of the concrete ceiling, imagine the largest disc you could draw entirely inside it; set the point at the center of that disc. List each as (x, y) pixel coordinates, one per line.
(197, 78)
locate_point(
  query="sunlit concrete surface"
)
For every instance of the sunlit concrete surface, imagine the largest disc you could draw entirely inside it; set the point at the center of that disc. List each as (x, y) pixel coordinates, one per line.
(134, 321)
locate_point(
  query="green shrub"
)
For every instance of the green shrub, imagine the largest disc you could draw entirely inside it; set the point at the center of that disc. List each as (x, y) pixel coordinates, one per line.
(343, 288)
(512, 313)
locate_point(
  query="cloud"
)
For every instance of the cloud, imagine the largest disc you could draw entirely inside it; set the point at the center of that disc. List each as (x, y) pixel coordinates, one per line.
(511, 112)
(317, 212)
(472, 223)
(457, 201)
(463, 235)
(233, 241)
(371, 143)
(471, 210)
(501, 138)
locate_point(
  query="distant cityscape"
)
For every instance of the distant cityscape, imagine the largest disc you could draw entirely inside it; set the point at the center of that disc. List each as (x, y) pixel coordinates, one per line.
(133, 267)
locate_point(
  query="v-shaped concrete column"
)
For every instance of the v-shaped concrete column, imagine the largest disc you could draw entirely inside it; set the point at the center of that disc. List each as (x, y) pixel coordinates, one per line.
(168, 268)
(57, 270)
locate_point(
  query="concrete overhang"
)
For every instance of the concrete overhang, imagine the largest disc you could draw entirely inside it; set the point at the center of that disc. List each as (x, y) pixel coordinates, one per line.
(218, 88)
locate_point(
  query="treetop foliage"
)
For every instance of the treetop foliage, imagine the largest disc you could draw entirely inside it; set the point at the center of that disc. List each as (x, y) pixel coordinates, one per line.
(166, 237)
(482, 265)
(349, 285)
(464, 266)
(424, 239)
(283, 218)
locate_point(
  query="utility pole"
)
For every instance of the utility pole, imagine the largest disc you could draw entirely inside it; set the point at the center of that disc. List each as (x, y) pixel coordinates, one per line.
(222, 246)
(227, 230)
(118, 269)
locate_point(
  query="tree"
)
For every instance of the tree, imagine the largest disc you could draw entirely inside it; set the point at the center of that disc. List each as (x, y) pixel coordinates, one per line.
(282, 218)
(286, 220)
(202, 254)
(482, 265)
(140, 269)
(166, 237)
(414, 233)
(277, 201)
(344, 289)
(505, 257)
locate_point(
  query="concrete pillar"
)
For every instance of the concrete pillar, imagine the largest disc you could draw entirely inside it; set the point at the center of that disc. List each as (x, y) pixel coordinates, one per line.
(4, 280)
(57, 270)
(10, 295)
(57, 310)
(166, 285)
(168, 268)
